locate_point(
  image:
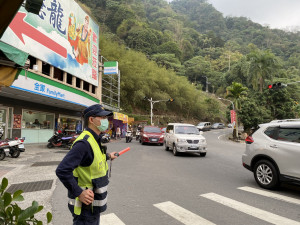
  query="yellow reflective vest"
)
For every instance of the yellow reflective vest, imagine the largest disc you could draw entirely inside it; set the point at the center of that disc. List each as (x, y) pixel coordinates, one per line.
(93, 177)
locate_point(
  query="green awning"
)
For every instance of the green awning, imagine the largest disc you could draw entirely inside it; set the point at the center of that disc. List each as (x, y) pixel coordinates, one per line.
(14, 54)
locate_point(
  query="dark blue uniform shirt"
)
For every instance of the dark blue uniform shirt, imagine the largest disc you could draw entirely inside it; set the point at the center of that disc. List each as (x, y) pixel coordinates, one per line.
(80, 154)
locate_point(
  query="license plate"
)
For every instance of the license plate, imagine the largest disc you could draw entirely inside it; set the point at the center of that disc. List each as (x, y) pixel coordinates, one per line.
(193, 148)
(6, 150)
(21, 146)
(154, 139)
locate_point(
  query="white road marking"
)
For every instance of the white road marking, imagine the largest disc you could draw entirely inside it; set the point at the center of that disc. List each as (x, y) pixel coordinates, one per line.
(184, 216)
(250, 210)
(110, 219)
(221, 136)
(271, 195)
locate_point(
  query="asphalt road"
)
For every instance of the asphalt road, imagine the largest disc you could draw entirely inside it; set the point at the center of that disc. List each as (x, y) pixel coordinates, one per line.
(150, 186)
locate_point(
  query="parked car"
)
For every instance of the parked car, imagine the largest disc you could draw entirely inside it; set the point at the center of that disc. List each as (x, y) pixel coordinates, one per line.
(151, 134)
(273, 153)
(204, 126)
(229, 125)
(218, 126)
(181, 137)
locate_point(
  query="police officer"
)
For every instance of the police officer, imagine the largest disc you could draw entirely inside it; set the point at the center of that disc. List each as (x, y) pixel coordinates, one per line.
(84, 170)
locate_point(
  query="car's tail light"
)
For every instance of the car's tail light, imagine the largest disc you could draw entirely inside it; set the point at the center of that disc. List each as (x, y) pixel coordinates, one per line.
(249, 140)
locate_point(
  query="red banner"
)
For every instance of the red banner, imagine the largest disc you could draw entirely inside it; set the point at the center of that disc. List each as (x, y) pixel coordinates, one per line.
(233, 116)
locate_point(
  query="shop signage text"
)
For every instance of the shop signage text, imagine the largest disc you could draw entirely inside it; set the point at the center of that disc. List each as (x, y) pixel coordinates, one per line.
(40, 87)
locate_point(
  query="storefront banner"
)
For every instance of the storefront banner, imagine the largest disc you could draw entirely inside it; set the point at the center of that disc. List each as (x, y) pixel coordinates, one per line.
(41, 88)
(120, 116)
(130, 120)
(111, 67)
(62, 35)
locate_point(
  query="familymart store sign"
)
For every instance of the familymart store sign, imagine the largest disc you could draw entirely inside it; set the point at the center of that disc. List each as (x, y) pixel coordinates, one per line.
(42, 86)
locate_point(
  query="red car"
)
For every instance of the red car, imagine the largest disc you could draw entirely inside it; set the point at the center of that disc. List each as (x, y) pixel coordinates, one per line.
(151, 134)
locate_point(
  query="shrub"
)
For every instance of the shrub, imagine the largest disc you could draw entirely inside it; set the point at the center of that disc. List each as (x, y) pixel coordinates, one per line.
(11, 213)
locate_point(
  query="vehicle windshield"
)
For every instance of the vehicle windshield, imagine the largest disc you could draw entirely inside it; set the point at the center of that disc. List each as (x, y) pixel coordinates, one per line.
(186, 130)
(152, 130)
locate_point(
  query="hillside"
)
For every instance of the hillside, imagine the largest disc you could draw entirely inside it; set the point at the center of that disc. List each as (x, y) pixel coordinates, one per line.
(193, 39)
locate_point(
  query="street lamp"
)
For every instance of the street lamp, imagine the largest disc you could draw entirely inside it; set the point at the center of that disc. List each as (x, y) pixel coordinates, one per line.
(153, 102)
(227, 100)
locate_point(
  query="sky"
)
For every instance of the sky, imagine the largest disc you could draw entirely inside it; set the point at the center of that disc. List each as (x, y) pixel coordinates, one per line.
(282, 14)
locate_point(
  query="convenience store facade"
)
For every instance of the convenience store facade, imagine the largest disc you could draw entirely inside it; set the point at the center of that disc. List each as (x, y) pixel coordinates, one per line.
(63, 75)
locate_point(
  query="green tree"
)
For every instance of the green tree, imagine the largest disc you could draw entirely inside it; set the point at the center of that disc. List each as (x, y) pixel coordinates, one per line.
(280, 104)
(235, 92)
(263, 65)
(170, 47)
(252, 113)
(167, 60)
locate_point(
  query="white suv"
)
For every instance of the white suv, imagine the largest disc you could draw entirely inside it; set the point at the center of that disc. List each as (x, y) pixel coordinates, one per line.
(181, 137)
(273, 153)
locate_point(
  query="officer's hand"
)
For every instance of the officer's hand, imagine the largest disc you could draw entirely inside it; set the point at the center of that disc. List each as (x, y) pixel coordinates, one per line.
(87, 196)
(113, 156)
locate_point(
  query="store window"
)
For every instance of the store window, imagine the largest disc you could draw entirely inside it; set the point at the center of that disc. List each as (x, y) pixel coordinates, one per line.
(37, 127)
(69, 124)
(37, 120)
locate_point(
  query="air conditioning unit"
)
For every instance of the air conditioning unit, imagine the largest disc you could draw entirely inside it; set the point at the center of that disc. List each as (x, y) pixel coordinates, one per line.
(35, 67)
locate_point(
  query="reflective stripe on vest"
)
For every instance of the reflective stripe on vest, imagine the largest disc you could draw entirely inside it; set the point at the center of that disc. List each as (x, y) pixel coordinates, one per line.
(98, 190)
(86, 175)
(78, 203)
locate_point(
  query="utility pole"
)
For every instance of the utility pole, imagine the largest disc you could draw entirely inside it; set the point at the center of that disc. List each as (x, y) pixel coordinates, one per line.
(153, 102)
(206, 83)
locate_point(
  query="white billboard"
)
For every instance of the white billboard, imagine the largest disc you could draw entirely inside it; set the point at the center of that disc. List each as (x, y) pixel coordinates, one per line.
(62, 35)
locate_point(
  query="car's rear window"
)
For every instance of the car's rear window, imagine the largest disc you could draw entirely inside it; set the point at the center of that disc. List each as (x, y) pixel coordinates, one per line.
(289, 134)
(284, 134)
(271, 132)
(152, 130)
(186, 130)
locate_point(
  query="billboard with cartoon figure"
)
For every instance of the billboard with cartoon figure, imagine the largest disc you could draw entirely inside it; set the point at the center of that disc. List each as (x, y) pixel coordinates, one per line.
(62, 35)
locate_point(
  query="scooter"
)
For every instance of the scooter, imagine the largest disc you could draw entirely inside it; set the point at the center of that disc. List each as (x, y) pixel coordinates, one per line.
(59, 140)
(137, 135)
(12, 147)
(105, 138)
(128, 136)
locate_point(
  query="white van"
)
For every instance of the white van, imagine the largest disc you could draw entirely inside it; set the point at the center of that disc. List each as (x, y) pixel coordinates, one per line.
(182, 137)
(204, 126)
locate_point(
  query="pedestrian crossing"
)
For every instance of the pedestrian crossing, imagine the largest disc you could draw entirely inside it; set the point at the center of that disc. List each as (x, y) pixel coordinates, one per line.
(181, 214)
(187, 217)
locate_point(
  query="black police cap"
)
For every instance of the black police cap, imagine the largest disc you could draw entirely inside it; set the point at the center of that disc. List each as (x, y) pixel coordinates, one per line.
(96, 110)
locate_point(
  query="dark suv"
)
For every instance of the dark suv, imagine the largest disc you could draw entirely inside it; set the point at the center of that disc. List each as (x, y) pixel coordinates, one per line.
(273, 153)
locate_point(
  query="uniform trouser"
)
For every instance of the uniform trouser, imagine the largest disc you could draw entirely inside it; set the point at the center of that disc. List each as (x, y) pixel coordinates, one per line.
(86, 217)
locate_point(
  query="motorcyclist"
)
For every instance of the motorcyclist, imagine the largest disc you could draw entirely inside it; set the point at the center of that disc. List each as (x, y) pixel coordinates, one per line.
(129, 134)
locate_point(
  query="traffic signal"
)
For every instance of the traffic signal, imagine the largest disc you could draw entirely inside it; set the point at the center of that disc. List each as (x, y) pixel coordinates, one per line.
(171, 100)
(277, 85)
